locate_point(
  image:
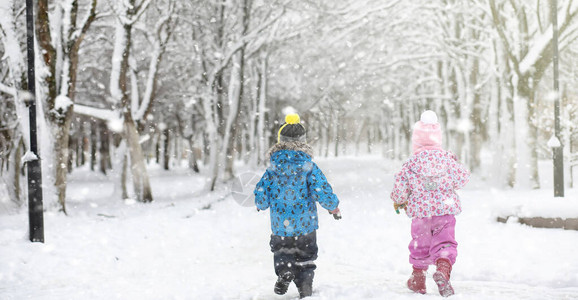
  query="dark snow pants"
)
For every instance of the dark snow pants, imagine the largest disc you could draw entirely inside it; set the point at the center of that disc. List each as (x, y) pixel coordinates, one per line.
(295, 254)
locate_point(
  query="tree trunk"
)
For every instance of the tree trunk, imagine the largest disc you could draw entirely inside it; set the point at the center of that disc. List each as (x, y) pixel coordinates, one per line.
(84, 146)
(193, 156)
(140, 179)
(252, 147)
(320, 136)
(166, 146)
(327, 139)
(212, 141)
(235, 109)
(65, 74)
(231, 131)
(369, 139)
(13, 178)
(124, 175)
(104, 149)
(60, 131)
(93, 144)
(336, 134)
(526, 136)
(505, 149)
(508, 139)
(138, 169)
(49, 58)
(567, 133)
(261, 131)
(359, 134)
(477, 133)
(73, 157)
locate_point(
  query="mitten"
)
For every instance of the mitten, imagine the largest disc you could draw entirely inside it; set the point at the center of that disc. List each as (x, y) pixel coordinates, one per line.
(336, 213)
(397, 206)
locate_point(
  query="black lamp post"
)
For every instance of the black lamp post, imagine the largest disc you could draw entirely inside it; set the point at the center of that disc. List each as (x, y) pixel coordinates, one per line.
(35, 210)
(558, 153)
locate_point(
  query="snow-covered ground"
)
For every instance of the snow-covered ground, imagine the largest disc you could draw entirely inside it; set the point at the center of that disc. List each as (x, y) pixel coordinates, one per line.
(188, 246)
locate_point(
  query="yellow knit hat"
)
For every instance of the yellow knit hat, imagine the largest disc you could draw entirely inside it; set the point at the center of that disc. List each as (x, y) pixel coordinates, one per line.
(292, 130)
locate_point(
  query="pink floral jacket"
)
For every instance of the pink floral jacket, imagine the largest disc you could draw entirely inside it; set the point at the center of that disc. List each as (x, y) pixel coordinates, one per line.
(428, 182)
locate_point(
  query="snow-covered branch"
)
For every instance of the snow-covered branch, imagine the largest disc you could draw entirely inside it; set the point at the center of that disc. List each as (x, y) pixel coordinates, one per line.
(544, 39)
(499, 25)
(81, 30)
(240, 44)
(97, 113)
(8, 90)
(159, 42)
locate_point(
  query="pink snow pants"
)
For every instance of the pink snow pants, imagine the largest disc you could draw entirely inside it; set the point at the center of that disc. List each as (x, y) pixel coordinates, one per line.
(432, 238)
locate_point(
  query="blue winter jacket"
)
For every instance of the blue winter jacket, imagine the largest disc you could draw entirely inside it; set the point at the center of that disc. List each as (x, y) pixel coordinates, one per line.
(290, 187)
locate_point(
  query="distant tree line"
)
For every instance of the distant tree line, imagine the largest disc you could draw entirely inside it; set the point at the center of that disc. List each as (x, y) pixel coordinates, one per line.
(123, 84)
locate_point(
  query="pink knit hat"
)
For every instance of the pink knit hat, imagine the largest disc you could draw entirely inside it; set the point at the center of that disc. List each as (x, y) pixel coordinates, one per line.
(427, 134)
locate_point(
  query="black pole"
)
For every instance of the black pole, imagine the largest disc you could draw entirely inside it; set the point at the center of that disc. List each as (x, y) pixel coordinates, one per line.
(35, 210)
(558, 153)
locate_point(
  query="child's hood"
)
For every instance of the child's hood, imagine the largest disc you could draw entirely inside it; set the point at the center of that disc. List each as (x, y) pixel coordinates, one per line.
(431, 163)
(290, 158)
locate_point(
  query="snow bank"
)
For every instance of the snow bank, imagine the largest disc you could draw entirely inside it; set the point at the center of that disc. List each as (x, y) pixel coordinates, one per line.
(536, 203)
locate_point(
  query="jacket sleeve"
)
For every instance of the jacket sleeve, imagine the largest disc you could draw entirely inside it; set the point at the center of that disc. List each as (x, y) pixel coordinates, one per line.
(460, 175)
(401, 191)
(261, 196)
(320, 190)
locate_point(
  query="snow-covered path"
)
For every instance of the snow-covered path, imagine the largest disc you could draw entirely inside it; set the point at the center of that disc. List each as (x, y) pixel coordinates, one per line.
(175, 249)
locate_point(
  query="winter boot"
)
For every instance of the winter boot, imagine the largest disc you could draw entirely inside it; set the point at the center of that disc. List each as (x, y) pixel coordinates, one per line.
(416, 282)
(442, 277)
(305, 289)
(283, 282)
(304, 284)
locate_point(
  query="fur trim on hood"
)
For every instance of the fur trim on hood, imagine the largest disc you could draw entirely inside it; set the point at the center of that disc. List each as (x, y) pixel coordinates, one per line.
(296, 146)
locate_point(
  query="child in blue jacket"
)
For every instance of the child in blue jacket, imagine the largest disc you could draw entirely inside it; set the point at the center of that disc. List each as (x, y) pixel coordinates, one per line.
(290, 187)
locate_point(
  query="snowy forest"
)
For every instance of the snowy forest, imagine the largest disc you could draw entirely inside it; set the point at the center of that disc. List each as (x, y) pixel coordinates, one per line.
(122, 85)
(149, 111)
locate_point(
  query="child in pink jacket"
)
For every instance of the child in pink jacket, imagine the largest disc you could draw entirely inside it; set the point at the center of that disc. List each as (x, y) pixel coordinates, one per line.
(426, 188)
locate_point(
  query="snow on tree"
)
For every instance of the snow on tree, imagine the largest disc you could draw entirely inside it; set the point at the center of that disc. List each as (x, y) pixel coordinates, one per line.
(124, 81)
(60, 32)
(207, 79)
(528, 53)
(12, 99)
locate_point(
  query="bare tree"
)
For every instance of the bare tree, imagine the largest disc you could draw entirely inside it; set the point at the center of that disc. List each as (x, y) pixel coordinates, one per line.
(528, 50)
(12, 82)
(124, 85)
(60, 32)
